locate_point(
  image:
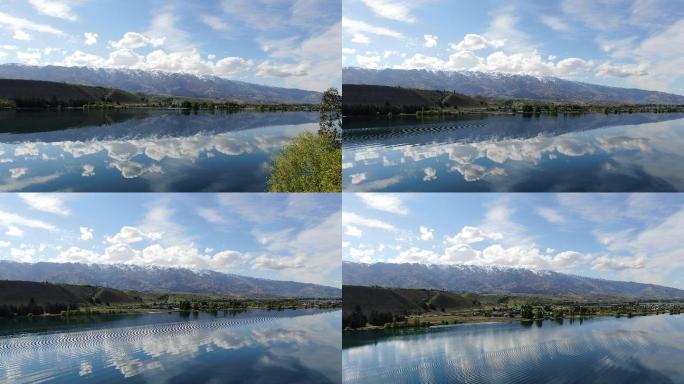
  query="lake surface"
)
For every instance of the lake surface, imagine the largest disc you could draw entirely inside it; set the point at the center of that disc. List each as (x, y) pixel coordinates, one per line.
(590, 152)
(143, 150)
(297, 346)
(599, 350)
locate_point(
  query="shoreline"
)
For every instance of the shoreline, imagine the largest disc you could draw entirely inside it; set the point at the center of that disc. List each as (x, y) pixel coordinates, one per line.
(497, 320)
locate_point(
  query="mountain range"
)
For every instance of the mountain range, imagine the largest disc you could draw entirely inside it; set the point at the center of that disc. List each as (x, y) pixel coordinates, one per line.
(503, 85)
(161, 83)
(478, 279)
(160, 279)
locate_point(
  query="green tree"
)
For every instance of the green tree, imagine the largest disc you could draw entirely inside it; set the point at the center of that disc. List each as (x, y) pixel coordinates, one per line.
(526, 311)
(331, 113)
(310, 163)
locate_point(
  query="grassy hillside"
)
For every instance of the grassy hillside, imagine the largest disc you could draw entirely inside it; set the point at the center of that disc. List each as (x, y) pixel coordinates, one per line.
(371, 99)
(41, 94)
(38, 298)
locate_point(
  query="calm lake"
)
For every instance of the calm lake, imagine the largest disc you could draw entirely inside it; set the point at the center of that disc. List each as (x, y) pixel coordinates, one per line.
(637, 350)
(590, 152)
(143, 150)
(297, 346)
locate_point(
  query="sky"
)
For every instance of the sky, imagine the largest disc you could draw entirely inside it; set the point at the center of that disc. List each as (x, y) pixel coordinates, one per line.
(625, 43)
(294, 237)
(628, 237)
(273, 42)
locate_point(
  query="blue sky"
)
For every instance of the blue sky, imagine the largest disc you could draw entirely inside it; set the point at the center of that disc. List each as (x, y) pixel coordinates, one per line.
(274, 42)
(630, 43)
(278, 236)
(635, 237)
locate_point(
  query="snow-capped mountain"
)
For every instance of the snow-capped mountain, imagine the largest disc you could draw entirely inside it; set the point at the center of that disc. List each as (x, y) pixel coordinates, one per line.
(492, 279)
(503, 85)
(155, 279)
(161, 83)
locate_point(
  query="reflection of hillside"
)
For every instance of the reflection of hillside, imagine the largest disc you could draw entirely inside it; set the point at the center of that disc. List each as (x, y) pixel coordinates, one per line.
(98, 125)
(476, 128)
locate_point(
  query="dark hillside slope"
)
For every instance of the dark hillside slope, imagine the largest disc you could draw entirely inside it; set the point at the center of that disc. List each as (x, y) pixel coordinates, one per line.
(400, 301)
(21, 292)
(370, 99)
(33, 93)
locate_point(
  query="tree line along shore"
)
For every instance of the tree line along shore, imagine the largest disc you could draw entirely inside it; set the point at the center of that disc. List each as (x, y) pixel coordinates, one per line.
(365, 100)
(27, 299)
(382, 307)
(33, 94)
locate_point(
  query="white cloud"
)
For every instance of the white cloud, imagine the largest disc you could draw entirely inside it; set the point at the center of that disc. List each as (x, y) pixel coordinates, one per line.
(86, 233)
(555, 23)
(398, 10)
(230, 66)
(77, 255)
(19, 24)
(470, 235)
(90, 38)
(183, 62)
(55, 8)
(349, 218)
(597, 15)
(551, 215)
(215, 23)
(45, 202)
(22, 255)
(430, 174)
(474, 42)
(360, 38)
(307, 63)
(14, 231)
(123, 253)
(8, 218)
(16, 173)
(211, 215)
(21, 35)
(503, 28)
(82, 59)
(430, 40)
(426, 233)
(607, 263)
(368, 61)
(278, 263)
(88, 170)
(622, 70)
(417, 255)
(352, 26)
(268, 69)
(129, 235)
(132, 40)
(460, 254)
(361, 255)
(29, 57)
(391, 203)
(351, 230)
(531, 63)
